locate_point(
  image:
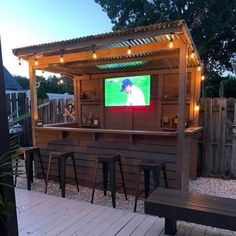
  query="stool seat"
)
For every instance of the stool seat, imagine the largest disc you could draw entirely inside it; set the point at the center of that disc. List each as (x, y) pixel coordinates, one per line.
(108, 167)
(61, 157)
(150, 166)
(28, 155)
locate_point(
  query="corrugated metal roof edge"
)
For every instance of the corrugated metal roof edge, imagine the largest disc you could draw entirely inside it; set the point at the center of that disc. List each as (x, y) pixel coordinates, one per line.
(157, 26)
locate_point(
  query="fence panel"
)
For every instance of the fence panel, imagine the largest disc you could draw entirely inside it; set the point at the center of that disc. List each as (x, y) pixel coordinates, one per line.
(217, 157)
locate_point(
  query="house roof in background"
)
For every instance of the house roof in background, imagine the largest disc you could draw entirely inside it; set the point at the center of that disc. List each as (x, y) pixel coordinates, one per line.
(10, 82)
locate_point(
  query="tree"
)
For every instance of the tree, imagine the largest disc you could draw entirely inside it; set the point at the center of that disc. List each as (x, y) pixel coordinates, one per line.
(212, 24)
(52, 84)
(23, 81)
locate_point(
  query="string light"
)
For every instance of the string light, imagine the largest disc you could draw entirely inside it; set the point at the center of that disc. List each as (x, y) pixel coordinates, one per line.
(94, 54)
(202, 77)
(61, 81)
(36, 61)
(171, 44)
(129, 52)
(192, 54)
(199, 68)
(61, 58)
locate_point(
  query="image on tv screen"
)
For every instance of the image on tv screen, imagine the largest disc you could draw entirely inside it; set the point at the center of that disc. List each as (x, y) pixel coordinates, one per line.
(128, 91)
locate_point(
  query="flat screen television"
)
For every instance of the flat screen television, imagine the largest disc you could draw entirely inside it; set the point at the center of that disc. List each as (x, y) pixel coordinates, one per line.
(127, 91)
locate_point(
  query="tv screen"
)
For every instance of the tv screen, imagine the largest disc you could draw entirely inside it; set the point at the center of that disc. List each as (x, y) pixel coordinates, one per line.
(127, 91)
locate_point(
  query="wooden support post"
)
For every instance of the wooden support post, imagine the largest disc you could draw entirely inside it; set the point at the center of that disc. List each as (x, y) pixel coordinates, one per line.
(33, 99)
(180, 172)
(197, 93)
(76, 97)
(159, 100)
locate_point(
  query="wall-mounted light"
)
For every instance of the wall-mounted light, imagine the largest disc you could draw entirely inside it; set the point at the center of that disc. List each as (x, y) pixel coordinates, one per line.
(36, 61)
(171, 44)
(199, 68)
(129, 52)
(192, 54)
(196, 108)
(61, 58)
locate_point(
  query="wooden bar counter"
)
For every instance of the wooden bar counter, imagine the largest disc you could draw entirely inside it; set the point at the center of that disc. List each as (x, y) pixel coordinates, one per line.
(133, 145)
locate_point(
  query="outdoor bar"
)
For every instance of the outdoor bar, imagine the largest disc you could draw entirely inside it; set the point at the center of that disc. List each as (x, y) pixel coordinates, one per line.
(165, 128)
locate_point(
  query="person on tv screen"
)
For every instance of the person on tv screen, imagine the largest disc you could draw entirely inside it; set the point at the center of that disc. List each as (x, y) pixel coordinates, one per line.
(135, 94)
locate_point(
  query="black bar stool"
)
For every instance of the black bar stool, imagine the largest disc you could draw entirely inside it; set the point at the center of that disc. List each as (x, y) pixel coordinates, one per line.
(61, 159)
(147, 167)
(28, 154)
(108, 167)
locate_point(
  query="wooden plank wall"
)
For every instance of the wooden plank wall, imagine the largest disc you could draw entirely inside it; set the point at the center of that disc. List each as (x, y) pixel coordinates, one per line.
(216, 156)
(86, 148)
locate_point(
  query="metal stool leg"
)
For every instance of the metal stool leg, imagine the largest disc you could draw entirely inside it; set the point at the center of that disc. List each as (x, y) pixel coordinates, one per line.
(112, 175)
(137, 190)
(41, 164)
(94, 182)
(62, 163)
(28, 172)
(75, 171)
(156, 176)
(105, 176)
(46, 182)
(122, 178)
(59, 171)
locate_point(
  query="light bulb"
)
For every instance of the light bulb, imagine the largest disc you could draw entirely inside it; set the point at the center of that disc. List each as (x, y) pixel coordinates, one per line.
(192, 54)
(36, 61)
(202, 77)
(129, 52)
(62, 59)
(199, 68)
(196, 108)
(171, 44)
(94, 55)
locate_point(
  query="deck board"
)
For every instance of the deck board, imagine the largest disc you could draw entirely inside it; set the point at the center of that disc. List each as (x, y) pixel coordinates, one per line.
(40, 214)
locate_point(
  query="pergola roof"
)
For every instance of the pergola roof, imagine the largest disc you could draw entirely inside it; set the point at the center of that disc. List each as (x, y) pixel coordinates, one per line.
(149, 45)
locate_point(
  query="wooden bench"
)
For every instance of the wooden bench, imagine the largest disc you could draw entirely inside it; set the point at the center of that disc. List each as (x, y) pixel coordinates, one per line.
(191, 207)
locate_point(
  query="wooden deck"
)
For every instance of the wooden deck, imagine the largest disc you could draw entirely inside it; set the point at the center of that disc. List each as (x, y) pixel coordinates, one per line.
(40, 214)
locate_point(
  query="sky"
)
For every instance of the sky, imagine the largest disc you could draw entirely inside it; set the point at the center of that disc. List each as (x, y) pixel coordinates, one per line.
(30, 22)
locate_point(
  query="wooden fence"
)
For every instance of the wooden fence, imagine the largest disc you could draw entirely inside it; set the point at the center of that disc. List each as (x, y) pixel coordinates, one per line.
(50, 111)
(217, 152)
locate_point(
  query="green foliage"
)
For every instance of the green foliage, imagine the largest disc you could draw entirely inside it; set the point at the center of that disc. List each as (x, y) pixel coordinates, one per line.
(212, 23)
(230, 87)
(23, 81)
(53, 85)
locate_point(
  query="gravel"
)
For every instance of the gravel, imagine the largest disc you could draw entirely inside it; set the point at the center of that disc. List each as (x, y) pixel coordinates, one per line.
(210, 186)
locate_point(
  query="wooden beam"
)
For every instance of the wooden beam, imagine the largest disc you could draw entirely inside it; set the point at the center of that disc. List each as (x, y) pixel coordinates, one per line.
(76, 97)
(33, 99)
(44, 61)
(180, 178)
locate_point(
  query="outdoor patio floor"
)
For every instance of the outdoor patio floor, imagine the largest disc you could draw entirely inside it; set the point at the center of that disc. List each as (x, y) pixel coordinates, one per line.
(40, 214)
